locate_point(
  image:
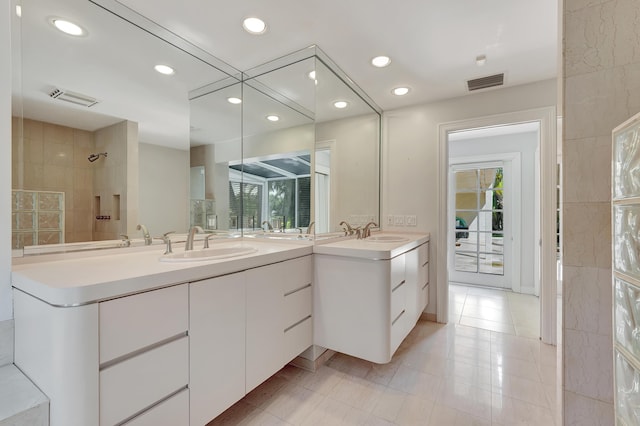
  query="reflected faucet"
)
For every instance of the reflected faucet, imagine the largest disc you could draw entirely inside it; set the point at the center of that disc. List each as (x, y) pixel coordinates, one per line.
(366, 232)
(145, 234)
(269, 226)
(348, 230)
(192, 232)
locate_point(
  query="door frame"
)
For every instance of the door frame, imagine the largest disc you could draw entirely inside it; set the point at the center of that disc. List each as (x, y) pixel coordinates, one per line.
(548, 156)
(511, 161)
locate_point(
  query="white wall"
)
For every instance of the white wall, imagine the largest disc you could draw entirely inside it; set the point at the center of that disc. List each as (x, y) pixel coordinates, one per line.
(410, 153)
(163, 198)
(6, 310)
(525, 144)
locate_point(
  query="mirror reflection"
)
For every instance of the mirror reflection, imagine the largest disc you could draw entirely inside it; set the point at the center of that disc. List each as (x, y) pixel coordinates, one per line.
(103, 142)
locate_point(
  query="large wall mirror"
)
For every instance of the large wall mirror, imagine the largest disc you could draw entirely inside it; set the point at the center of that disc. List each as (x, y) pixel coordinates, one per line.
(102, 142)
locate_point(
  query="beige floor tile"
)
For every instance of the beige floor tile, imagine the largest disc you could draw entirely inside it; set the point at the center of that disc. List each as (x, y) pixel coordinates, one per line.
(530, 391)
(510, 411)
(415, 382)
(487, 313)
(293, 403)
(415, 411)
(389, 404)
(358, 393)
(487, 325)
(466, 398)
(443, 415)
(323, 380)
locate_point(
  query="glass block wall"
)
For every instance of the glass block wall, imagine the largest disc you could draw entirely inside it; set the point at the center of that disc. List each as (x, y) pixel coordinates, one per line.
(626, 276)
(37, 218)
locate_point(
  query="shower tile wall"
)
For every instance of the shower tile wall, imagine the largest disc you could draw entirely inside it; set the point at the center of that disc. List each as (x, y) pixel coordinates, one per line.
(54, 158)
(601, 90)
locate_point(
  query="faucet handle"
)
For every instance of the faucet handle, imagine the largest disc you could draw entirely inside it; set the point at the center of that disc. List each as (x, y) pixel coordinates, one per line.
(125, 239)
(165, 239)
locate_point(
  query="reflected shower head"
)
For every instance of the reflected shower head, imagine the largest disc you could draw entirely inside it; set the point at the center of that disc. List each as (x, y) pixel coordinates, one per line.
(94, 157)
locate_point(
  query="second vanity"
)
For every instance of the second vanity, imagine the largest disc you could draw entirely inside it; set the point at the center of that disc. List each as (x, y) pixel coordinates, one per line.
(121, 338)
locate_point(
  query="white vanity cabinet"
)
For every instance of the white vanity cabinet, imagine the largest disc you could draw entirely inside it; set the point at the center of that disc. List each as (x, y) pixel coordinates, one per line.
(217, 319)
(366, 307)
(144, 351)
(279, 325)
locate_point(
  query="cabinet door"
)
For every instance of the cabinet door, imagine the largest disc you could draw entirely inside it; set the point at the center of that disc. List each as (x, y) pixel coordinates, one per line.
(265, 336)
(217, 339)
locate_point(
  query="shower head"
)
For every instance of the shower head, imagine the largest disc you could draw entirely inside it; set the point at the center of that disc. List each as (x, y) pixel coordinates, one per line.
(94, 157)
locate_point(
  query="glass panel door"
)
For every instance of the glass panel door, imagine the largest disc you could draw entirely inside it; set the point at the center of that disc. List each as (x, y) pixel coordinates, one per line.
(479, 224)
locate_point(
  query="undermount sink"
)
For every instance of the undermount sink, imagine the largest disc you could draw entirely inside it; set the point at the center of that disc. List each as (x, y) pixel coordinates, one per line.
(207, 254)
(386, 239)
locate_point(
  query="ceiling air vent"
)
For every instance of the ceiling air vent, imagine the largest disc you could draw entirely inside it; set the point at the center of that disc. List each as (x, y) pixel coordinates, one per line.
(484, 82)
(74, 98)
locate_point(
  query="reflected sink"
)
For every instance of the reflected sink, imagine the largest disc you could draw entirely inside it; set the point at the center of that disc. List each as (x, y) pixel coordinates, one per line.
(207, 254)
(386, 239)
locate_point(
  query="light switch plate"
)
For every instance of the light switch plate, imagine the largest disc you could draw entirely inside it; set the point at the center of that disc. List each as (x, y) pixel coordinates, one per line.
(398, 220)
(410, 220)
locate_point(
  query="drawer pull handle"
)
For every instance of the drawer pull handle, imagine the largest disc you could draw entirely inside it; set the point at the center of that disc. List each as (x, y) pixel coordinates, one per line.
(298, 323)
(425, 286)
(155, 404)
(398, 317)
(425, 263)
(137, 352)
(289, 293)
(398, 286)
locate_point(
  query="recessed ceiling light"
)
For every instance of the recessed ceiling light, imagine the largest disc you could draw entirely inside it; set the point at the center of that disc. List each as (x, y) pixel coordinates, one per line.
(67, 27)
(19, 11)
(340, 104)
(273, 118)
(234, 101)
(164, 69)
(481, 60)
(254, 25)
(380, 61)
(400, 91)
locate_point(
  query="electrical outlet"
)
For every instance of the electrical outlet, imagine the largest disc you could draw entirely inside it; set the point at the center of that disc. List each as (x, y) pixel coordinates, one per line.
(410, 220)
(398, 220)
(390, 220)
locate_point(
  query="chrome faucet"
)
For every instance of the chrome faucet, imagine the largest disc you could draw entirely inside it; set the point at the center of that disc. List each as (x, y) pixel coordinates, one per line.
(126, 242)
(165, 238)
(366, 232)
(145, 234)
(311, 228)
(192, 232)
(269, 225)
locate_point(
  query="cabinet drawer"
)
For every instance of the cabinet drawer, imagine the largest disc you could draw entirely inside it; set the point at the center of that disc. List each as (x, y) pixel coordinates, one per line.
(134, 322)
(297, 305)
(173, 411)
(423, 299)
(423, 253)
(133, 385)
(397, 270)
(298, 338)
(398, 299)
(296, 273)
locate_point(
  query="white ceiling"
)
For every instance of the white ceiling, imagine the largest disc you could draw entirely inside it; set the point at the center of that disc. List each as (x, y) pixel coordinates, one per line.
(432, 43)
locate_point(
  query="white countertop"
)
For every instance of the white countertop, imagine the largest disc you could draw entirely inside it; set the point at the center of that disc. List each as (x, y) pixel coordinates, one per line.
(76, 279)
(367, 248)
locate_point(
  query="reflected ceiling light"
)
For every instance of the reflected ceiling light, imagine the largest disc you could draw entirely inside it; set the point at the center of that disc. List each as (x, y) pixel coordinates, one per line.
(164, 69)
(67, 27)
(234, 101)
(19, 11)
(380, 61)
(400, 91)
(340, 104)
(254, 26)
(312, 75)
(273, 118)
(481, 60)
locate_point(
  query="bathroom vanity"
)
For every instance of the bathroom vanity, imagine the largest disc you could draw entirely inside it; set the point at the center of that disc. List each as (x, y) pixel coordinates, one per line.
(369, 294)
(119, 337)
(127, 339)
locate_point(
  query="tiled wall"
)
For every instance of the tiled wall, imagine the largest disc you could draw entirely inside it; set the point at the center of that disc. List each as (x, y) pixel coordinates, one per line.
(54, 158)
(601, 90)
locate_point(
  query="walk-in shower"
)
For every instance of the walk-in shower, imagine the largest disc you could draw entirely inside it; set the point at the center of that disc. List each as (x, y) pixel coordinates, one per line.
(94, 157)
